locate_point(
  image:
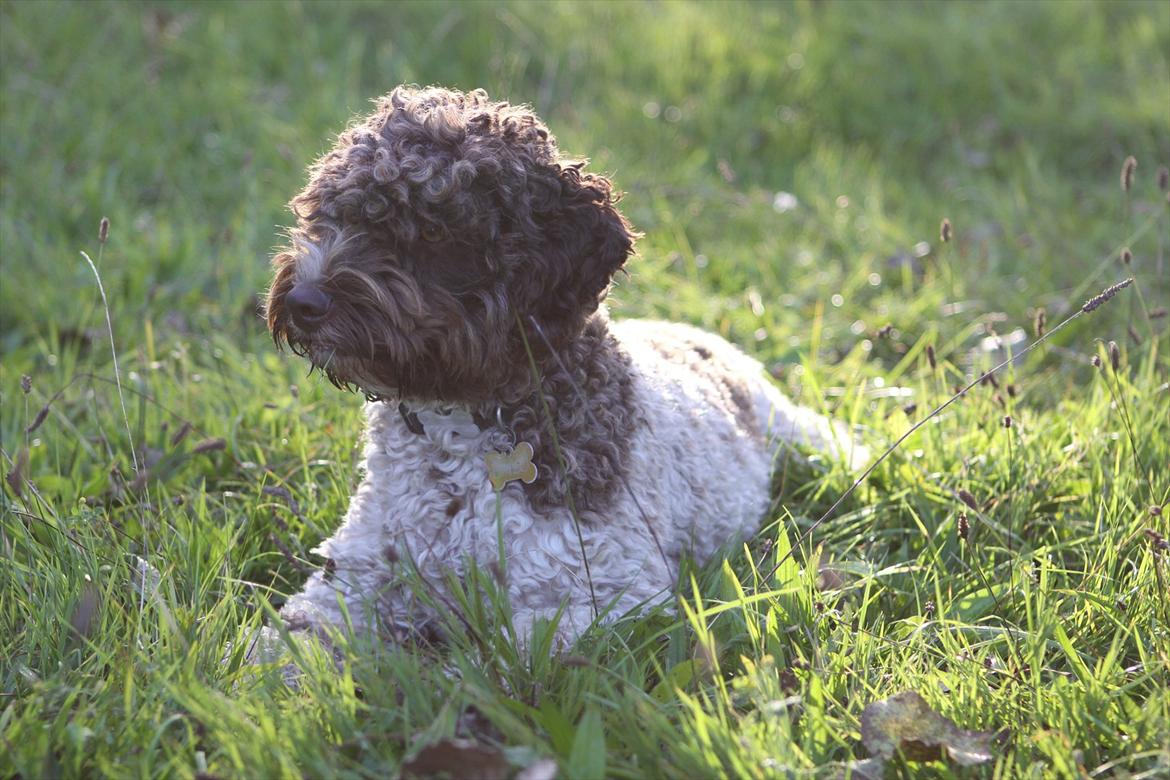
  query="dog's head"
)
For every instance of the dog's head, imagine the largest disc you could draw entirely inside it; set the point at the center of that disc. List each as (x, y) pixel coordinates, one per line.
(427, 233)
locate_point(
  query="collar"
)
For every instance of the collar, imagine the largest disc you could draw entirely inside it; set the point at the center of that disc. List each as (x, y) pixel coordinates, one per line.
(415, 426)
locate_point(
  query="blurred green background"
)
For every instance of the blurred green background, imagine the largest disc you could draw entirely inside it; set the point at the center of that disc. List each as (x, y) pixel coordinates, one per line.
(190, 125)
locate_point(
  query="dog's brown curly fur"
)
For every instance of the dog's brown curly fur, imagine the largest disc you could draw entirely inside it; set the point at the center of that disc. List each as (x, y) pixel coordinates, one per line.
(438, 225)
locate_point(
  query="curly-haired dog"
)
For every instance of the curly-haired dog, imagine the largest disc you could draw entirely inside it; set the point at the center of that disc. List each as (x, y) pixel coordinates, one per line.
(450, 263)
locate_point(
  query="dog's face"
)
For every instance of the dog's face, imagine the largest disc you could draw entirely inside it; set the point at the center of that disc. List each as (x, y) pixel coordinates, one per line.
(427, 234)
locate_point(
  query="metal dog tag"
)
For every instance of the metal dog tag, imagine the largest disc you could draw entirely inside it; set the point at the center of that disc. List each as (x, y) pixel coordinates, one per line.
(506, 467)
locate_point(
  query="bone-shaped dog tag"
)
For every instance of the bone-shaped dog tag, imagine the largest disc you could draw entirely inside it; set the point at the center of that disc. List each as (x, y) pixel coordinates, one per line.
(506, 467)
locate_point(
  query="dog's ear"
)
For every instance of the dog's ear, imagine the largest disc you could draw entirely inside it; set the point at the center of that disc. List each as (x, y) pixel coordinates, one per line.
(587, 240)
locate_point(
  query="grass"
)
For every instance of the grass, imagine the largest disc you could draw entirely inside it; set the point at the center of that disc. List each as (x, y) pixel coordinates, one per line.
(188, 125)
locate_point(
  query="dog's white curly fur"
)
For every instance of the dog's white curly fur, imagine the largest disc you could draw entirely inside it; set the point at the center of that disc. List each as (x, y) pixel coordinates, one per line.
(699, 473)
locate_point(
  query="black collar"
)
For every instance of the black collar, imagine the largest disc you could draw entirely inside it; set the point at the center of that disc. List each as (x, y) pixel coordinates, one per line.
(411, 420)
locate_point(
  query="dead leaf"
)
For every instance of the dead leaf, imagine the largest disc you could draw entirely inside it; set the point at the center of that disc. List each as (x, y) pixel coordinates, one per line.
(830, 577)
(459, 759)
(905, 723)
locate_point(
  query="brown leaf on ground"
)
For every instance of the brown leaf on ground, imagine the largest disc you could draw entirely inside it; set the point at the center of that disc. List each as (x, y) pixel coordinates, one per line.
(905, 723)
(458, 759)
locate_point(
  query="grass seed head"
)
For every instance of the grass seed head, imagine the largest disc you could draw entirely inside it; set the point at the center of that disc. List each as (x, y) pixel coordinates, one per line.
(967, 498)
(181, 434)
(1007, 421)
(1011, 390)
(1114, 355)
(103, 230)
(1103, 297)
(964, 527)
(930, 357)
(25, 384)
(38, 419)
(1039, 323)
(209, 445)
(1127, 171)
(1133, 334)
(1126, 256)
(1164, 178)
(1096, 361)
(945, 231)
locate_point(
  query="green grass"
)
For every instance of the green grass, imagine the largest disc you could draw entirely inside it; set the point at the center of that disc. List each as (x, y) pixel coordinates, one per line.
(189, 126)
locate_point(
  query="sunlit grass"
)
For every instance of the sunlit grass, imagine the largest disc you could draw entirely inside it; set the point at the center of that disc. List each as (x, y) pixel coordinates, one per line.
(189, 126)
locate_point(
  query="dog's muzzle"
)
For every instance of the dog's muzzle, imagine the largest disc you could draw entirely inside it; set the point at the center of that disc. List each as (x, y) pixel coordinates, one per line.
(308, 306)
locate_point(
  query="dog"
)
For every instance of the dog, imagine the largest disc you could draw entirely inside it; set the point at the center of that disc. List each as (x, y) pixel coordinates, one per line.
(449, 263)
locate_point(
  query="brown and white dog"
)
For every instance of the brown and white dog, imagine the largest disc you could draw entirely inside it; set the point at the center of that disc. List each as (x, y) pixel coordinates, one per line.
(450, 264)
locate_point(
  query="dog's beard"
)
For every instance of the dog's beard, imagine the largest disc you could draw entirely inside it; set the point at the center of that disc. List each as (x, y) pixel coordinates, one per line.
(449, 356)
(348, 373)
(353, 357)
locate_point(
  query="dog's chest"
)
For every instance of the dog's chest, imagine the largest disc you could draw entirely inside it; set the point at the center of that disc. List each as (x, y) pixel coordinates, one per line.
(427, 492)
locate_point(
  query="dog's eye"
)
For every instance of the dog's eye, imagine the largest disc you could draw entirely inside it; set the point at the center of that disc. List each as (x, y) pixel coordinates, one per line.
(431, 232)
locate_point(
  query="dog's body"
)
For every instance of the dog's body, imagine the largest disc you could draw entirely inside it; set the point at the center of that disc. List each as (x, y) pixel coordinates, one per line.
(448, 263)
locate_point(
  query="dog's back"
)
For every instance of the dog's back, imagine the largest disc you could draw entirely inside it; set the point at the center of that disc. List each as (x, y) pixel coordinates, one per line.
(716, 428)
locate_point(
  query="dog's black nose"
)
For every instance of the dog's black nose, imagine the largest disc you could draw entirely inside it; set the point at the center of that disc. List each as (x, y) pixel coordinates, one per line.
(307, 306)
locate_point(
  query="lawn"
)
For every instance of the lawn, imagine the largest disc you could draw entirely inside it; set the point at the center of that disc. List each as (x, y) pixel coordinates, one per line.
(790, 166)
